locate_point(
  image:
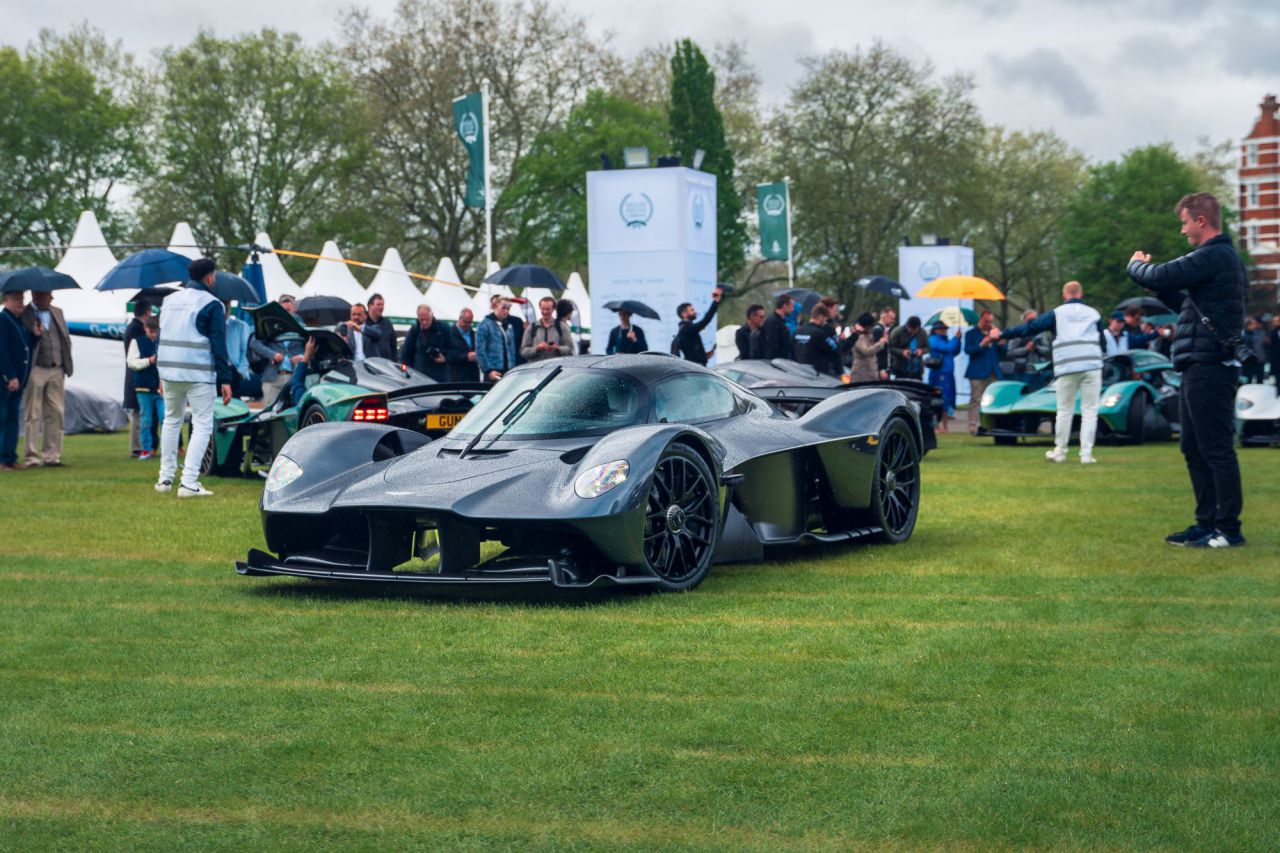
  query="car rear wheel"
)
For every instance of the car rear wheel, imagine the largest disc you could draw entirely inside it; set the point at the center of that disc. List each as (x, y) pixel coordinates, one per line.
(313, 415)
(682, 519)
(895, 498)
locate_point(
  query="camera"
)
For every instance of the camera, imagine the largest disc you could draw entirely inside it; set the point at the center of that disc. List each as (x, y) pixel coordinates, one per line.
(432, 352)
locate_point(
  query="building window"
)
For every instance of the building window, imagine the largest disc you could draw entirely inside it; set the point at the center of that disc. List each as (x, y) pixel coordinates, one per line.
(1253, 195)
(1251, 152)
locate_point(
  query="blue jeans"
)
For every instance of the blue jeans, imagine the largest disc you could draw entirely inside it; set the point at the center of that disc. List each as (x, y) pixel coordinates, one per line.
(150, 413)
(10, 403)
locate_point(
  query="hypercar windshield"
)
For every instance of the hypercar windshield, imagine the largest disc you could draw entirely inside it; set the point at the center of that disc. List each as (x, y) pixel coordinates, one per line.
(575, 402)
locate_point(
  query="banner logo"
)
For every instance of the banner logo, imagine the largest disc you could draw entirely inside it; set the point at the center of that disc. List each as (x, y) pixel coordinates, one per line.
(930, 270)
(699, 211)
(636, 210)
(774, 204)
(469, 128)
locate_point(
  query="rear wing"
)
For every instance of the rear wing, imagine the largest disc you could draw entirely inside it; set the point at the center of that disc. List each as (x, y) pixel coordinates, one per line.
(439, 388)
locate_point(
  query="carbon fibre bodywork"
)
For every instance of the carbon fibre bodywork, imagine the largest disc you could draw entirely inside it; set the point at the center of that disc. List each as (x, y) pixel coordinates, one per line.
(366, 502)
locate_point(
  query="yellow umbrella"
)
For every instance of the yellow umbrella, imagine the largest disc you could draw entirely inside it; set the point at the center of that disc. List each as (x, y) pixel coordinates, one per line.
(960, 287)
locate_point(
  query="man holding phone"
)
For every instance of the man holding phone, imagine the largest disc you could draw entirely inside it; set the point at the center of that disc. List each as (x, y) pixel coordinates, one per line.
(1206, 287)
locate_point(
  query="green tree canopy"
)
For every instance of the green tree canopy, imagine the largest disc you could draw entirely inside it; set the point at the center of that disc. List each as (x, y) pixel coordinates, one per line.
(696, 123)
(260, 132)
(548, 202)
(876, 148)
(1014, 205)
(1125, 205)
(70, 133)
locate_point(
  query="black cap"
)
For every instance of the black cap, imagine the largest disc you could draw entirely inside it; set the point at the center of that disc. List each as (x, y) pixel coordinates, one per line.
(201, 267)
(866, 320)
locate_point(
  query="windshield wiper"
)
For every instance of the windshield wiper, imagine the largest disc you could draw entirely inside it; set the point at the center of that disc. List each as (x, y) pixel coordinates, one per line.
(519, 404)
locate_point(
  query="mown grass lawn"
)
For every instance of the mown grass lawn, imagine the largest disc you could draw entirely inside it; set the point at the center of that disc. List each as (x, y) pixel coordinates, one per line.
(1034, 668)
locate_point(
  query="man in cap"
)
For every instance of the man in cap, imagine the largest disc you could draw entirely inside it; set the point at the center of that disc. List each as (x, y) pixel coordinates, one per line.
(191, 356)
(1115, 338)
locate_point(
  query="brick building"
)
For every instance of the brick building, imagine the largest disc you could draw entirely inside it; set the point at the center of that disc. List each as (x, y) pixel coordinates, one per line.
(1260, 203)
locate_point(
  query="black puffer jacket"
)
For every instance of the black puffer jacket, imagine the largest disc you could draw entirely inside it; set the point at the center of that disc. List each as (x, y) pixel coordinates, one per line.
(1214, 276)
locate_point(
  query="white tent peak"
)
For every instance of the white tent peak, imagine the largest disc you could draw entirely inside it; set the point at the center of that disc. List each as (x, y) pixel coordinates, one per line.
(395, 286)
(448, 300)
(87, 260)
(278, 282)
(333, 278)
(183, 241)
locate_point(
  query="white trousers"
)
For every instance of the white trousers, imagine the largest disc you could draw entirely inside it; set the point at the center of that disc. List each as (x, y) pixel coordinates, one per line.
(177, 395)
(1089, 385)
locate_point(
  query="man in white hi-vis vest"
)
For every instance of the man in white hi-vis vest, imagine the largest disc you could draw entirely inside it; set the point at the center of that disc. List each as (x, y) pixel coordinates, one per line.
(191, 356)
(1077, 367)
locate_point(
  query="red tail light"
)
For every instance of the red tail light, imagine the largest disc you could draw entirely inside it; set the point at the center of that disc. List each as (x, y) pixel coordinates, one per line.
(373, 409)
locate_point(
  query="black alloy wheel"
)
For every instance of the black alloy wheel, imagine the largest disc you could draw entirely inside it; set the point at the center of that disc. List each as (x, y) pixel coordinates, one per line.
(895, 499)
(1136, 422)
(682, 519)
(313, 415)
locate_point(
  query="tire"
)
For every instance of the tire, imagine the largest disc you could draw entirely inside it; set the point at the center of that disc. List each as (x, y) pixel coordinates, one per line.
(314, 414)
(207, 463)
(682, 520)
(895, 491)
(1136, 420)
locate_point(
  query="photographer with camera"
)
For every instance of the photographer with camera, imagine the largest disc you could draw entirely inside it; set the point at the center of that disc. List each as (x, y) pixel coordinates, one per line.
(1207, 288)
(908, 345)
(425, 346)
(867, 341)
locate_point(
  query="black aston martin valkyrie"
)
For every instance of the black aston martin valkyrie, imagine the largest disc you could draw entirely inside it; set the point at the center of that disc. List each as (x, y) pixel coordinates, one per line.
(592, 471)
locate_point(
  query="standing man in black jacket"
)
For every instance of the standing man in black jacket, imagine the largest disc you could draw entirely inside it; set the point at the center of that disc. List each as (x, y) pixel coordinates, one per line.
(742, 337)
(426, 346)
(817, 344)
(461, 354)
(16, 344)
(1210, 278)
(388, 344)
(775, 337)
(688, 342)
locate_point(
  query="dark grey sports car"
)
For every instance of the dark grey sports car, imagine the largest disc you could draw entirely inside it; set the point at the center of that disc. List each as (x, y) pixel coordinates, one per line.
(624, 470)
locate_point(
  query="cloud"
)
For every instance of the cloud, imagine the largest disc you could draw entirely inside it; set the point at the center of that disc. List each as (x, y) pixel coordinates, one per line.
(1250, 49)
(1045, 71)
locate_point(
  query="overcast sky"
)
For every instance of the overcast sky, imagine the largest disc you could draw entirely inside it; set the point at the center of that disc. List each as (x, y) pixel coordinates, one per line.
(1107, 75)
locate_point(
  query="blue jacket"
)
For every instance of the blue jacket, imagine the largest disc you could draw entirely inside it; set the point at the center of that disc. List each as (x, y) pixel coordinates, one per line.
(16, 344)
(984, 362)
(489, 345)
(945, 348)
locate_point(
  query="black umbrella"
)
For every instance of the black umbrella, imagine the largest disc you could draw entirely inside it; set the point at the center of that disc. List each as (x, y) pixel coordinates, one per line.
(1148, 305)
(153, 295)
(147, 268)
(804, 297)
(526, 275)
(230, 287)
(42, 279)
(884, 285)
(323, 310)
(634, 307)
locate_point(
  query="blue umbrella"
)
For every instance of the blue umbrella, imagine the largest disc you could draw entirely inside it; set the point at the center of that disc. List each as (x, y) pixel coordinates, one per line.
(229, 287)
(526, 275)
(35, 278)
(147, 268)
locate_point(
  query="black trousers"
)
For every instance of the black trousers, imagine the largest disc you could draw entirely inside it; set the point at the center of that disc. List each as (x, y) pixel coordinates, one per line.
(10, 403)
(1207, 408)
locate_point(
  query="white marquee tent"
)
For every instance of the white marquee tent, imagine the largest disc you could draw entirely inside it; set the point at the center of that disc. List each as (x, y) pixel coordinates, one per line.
(278, 281)
(333, 278)
(183, 242)
(87, 260)
(397, 288)
(447, 300)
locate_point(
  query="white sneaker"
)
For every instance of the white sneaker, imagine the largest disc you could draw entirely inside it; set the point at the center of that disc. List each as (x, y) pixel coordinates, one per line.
(1088, 460)
(198, 492)
(1055, 455)
(164, 487)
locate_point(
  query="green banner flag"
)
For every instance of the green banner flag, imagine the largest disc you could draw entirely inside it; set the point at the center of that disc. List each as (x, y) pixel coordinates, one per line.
(772, 201)
(468, 121)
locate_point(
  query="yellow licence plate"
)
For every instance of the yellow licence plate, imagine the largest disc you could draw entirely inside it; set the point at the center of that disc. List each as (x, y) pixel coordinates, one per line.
(444, 421)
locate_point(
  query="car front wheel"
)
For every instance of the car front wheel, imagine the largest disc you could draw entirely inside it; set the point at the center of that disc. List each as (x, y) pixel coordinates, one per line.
(682, 519)
(895, 492)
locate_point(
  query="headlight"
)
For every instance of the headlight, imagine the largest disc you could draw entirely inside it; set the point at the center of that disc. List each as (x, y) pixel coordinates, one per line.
(594, 482)
(988, 398)
(283, 472)
(1110, 400)
(1241, 405)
